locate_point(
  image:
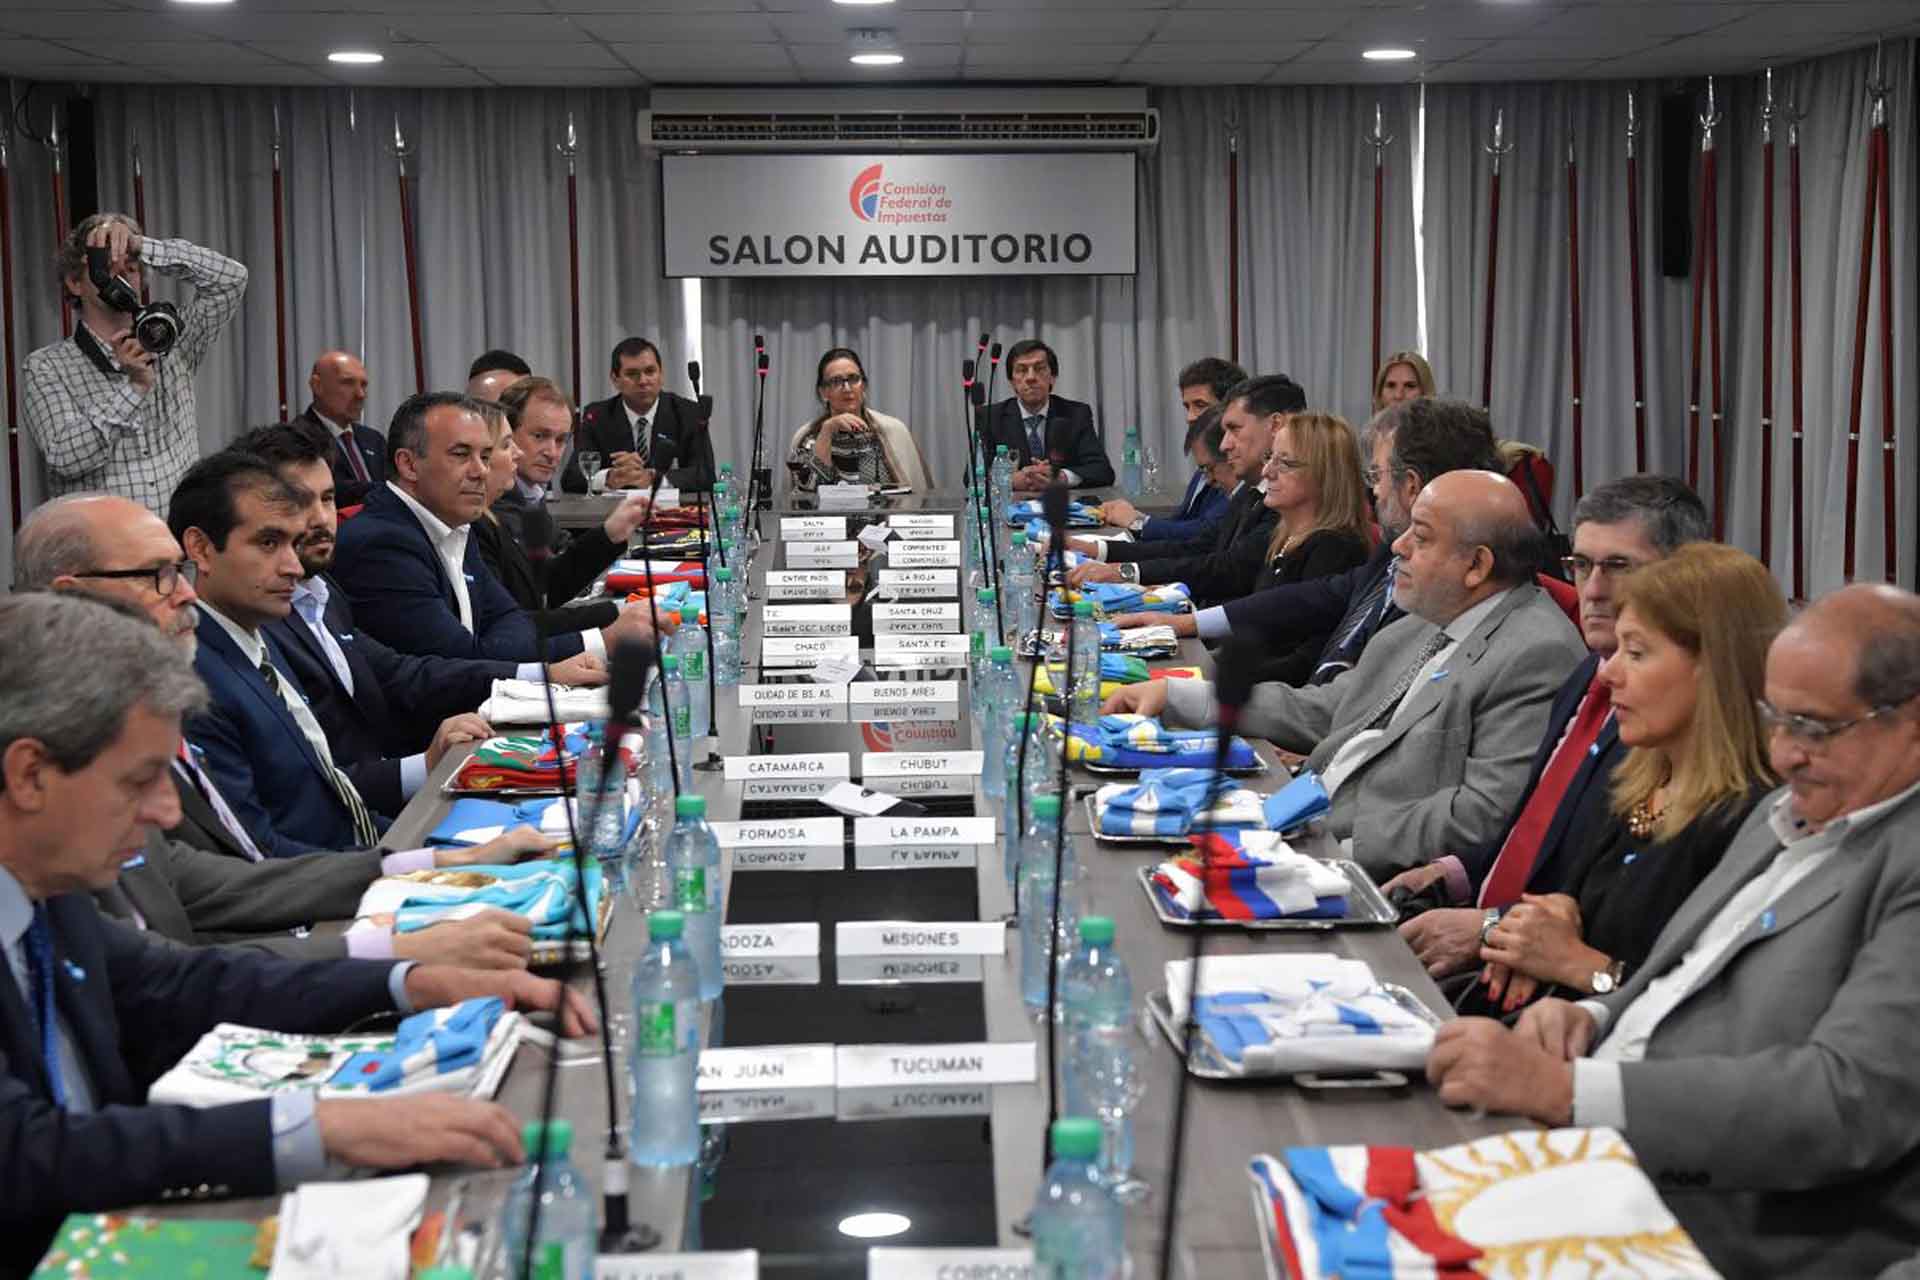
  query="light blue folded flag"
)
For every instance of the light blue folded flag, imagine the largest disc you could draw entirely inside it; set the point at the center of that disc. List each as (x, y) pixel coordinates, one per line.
(1079, 515)
(1168, 802)
(1128, 597)
(1297, 803)
(545, 892)
(1142, 742)
(436, 1042)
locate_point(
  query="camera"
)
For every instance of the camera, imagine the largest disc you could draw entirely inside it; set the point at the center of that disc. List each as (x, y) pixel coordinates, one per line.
(156, 326)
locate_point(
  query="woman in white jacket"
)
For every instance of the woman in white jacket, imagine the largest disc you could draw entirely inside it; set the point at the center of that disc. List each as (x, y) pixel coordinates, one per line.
(850, 443)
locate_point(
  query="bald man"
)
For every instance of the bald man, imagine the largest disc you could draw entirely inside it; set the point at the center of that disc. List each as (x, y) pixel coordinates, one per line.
(489, 384)
(339, 387)
(1426, 743)
(1761, 1062)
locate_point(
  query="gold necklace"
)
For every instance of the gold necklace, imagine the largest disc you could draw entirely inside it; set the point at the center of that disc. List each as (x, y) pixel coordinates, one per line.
(1645, 816)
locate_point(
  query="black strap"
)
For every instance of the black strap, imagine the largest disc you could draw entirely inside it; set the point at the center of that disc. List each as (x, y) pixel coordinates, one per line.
(95, 351)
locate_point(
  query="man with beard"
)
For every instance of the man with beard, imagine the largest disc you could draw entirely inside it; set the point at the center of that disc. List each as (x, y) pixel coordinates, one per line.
(373, 702)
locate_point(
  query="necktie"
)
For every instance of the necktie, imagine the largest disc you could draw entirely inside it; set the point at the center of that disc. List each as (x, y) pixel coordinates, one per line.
(1383, 713)
(1036, 437)
(39, 950)
(354, 460)
(642, 428)
(1507, 879)
(364, 832)
(215, 801)
(1360, 622)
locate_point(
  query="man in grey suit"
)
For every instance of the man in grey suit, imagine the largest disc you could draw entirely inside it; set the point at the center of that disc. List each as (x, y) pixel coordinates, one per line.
(1762, 1063)
(1426, 743)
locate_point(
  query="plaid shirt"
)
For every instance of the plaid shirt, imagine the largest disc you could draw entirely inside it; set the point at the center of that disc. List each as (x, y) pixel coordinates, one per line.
(100, 433)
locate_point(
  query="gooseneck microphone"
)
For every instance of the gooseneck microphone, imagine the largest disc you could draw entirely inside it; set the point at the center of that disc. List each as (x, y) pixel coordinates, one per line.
(1054, 502)
(978, 397)
(659, 645)
(1237, 660)
(993, 368)
(760, 485)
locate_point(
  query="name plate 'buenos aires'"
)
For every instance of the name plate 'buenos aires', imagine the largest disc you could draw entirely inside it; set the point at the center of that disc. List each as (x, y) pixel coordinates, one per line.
(817, 764)
(923, 555)
(790, 844)
(806, 620)
(805, 651)
(823, 555)
(920, 584)
(883, 1080)
(779, 1082)
(736, 1264)
(813, 528)
(938, 617)
(815, 584)
(896, 844)
(950, 1264)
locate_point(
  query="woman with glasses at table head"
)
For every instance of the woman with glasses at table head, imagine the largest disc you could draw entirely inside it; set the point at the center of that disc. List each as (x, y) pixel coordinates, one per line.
(1690, 666)
(850, 442)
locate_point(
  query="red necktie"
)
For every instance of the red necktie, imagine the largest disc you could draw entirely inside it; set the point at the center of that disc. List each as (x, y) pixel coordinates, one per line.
(1507, 880)
(354, 459)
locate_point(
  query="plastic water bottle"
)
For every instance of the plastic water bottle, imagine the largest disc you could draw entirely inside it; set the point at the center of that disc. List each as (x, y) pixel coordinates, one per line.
(680, 718)
(569, 1226)
(1096, 992)
(665, 1055)
(659, 759)
(1077, 1231)
(726, 651)
(1083, 699)
(1023, 585)
(693, 863)
(723, 593)
(1130, 476)
(1000, 484)
(1040, 944)
(602, 787)
(985, 624)
(736, 522)
(689, 644)
(996, 713)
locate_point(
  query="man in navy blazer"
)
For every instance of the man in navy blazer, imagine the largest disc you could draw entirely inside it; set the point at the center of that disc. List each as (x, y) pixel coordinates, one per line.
(1203, 386)
(92, 1012)
(238, 523)
(1068, 443)
(1617, 528)
(408, 565)
(357, 452)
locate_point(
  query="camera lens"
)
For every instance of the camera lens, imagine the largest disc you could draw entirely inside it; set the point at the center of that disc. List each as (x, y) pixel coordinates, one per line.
(157, 327)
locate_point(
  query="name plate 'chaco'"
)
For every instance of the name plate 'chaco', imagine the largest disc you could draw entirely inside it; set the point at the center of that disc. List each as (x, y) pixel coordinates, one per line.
(805, 651)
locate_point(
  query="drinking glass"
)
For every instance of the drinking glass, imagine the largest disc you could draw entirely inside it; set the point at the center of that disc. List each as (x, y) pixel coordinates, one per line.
(1149, 470)
(1116, 1082)
(589, 463)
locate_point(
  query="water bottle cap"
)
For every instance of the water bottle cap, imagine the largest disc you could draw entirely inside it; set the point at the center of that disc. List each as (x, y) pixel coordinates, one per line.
(1076, 1137)
(985, 595)
(726, 468)
(1000, 653)
(1096, 929)
(1083, 608)
(1000, 451)
(452, 1271)
(1046, 806)
(689, 806)
(547, 1139)
(689, 615)
(671, 662)
(723, 574)
(665, 926)
(1019, 538)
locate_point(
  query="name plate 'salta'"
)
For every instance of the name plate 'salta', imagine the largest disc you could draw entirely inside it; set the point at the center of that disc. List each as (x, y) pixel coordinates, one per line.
(813, 528)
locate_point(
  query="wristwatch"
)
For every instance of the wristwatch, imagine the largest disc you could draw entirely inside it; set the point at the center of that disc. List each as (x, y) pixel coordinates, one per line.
(1607, 981)
(1136, 524)
(1130, 573)
(1487, 921)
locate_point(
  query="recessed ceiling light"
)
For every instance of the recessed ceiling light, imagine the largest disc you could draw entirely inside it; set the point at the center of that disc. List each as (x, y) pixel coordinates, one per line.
(356, 57)
(1389, 55)
(876, 59)
(874, 1226)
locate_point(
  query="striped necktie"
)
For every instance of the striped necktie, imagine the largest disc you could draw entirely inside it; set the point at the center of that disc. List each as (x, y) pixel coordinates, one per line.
(39, 949)
(1383, 713)
(365, 834)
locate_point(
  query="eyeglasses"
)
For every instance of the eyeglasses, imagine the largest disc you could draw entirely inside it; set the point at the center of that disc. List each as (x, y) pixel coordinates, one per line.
(1811, 731)
(1372, 475)
(1284, 465)
(1580, 568)
(166, 577)
(845, 382)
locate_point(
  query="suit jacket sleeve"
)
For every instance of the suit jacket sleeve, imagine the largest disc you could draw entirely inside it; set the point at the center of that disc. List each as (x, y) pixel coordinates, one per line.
(1201, 524)
(1322, 555)
(229, 762)
(1298, 609)
(1224, 573)
(429, 689)
(506, 631)
(224, 896)
(1508, 715)
(588, 554)
(1086, 456)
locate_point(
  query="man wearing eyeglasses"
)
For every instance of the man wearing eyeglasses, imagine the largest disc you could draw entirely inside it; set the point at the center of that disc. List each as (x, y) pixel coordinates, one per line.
(1617, 528)
(1761, 1063)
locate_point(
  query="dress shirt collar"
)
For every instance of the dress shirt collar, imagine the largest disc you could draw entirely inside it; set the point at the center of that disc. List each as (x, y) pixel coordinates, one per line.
(1028, 415)
(311, 589)
(252, 647)
(1465, 625)
(1792, 829)
(439, 532)
(335, 427)
(16, 910)
(638, 420)
(535, 494)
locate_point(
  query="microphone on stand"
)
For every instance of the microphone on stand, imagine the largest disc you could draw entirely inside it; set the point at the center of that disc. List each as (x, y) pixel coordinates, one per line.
(702, 424)
(995, 575)
(659, 641)
(761, 486)
(1234, 667)
(993, 368)
(1054, 503)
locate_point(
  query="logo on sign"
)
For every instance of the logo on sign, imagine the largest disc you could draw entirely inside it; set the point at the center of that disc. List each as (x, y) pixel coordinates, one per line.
(864, 195)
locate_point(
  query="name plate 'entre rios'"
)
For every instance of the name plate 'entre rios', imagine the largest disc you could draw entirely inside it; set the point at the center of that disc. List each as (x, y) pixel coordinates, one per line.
(807, 584)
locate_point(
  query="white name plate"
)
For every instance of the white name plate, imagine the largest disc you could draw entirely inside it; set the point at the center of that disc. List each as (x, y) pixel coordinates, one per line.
(817, 584)
(938, 617)
(786, 940)
(908, 1100)
(950, 1264)
(793, 971)
(799, 713)
(920, 584)
(921, 526)
(919, 713)
(914, 857)
(918, 938)
(905, 692)
(813, 528)
(779, 1082)
(790, 695)
(786, 788)
(818, 764)
(805, 651)
(891, 649)
(823, 555)
(806, 620)
(936, 554)
(919, 764)
(880, 832)
(882, 1066)
(789, 858)
(932, 785)
(843, 497)
(791, 833)
(742, 1264)
(873, 971)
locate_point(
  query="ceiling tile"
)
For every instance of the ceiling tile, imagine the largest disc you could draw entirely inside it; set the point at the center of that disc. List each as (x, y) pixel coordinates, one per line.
(1583, 21)
(1215, 72)
(1222, 28)
(1243, 51)
(1038, 56)
(671, 28)
(1027, 28)
(1474, 70)
(490, 57)
(399, 57)
(486, 26)
(931, 28)
(746, 57)
(1349, 52)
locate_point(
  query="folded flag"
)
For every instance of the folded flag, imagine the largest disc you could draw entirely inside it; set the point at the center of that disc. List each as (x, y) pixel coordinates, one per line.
(1029, 512)
(1116, 672)
(472, 820)
(1354, 1212)
(631, 575)
(1142, 742)
(545, 892)
(428, 1044)
(1140, 642)
(1298, 803)
(1110, 598)
(524, 762)
(1250, 875)
(1168, 802)
(525, 702)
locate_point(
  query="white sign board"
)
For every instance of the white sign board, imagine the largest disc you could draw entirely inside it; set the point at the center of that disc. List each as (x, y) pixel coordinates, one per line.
(899, 215)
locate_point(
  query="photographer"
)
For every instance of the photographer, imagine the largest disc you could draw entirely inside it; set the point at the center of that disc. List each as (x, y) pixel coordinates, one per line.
(112, 408)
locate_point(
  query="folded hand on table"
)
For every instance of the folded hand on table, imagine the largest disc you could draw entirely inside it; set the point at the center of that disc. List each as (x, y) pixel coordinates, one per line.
(1148, 698)
(582, 669)
(1183, 624)
(1445, 940)
(1093, 571)
(1478, 1063)
(626, 471)
(433, 986)
(426, 1128)
(514, 845)
(1539, 938)
(465, 727)
(1119, 512)
(489, 939)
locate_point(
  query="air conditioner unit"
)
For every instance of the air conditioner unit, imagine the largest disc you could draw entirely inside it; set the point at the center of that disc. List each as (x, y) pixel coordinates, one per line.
(1045, 119)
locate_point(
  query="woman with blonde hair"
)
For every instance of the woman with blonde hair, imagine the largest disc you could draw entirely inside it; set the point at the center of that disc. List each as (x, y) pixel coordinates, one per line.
(1693, 635)
(1404, 375)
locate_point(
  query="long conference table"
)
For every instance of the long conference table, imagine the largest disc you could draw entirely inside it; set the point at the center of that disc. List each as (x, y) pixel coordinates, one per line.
(960, 1163)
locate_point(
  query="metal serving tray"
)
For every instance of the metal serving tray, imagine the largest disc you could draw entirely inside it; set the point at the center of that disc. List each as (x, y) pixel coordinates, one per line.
(1367, 908)
(1206, 1063)
(1260, 768)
